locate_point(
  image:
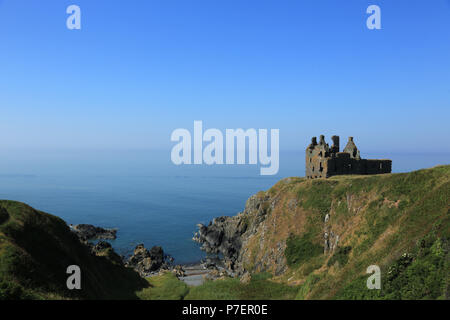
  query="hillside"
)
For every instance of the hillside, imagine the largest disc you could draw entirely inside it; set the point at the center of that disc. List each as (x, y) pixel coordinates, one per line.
(35, 250)
(303, 239)
(322, 235)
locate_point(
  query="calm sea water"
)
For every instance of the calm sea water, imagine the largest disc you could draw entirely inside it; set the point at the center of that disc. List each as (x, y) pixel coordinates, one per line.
(144, 195)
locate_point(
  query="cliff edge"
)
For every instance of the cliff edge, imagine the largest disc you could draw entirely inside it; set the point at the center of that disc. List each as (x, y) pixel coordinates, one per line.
(323, 234)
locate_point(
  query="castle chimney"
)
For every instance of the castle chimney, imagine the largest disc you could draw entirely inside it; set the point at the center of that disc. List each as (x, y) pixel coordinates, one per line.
(322, 139)
(335, 146)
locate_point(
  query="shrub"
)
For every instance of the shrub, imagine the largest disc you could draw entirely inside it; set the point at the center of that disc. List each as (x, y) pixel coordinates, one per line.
(421, 274)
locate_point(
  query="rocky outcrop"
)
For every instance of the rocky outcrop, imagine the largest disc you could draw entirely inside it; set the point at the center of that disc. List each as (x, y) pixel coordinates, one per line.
(103, 248)
(331, 239)
(89, 232)
(100, 246)
(148, 262)
(145, 262)
(178, 271)
(222, 235)
(226, 236)
(246, 278)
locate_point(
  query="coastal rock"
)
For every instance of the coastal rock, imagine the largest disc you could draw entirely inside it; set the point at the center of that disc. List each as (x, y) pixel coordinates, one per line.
(225, 236)
(100, 246)
(246, 278)
(178, 271)
(146, 262)
(89, 232)
(103, 248)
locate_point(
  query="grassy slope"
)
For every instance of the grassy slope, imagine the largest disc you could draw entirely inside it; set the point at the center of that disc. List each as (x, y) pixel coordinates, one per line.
(259, 288)
(164, 287)
(378, 218)
(35, 250)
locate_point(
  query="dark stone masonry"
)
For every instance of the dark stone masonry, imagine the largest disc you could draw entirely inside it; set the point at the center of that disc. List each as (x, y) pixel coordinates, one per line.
(323, 161)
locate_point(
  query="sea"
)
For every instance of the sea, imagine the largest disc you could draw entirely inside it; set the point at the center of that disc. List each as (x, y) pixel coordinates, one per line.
(144, 195)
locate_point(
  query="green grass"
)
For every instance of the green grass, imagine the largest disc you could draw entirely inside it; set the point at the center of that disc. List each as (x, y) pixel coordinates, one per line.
(164, 287)
(35, 250)
(340, 256)
(306, 287)
(421, 274)
(301, 249)
(259, 288)
(3, 215)
(168, 287)
(317, 195)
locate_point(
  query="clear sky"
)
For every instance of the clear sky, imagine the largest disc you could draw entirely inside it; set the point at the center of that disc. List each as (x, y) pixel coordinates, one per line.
(137, 70)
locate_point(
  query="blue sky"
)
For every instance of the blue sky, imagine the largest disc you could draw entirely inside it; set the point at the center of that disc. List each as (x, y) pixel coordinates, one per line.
(137, 70)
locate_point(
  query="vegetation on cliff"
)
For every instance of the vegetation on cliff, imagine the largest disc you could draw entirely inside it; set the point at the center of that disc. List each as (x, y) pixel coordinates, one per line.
(303, 239)
(35, 250)
(322, 234)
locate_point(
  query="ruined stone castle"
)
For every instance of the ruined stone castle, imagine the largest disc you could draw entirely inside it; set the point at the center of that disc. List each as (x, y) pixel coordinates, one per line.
(323, 161)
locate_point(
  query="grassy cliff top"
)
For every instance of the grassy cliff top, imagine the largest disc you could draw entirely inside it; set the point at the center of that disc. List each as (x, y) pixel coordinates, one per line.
(359, 221)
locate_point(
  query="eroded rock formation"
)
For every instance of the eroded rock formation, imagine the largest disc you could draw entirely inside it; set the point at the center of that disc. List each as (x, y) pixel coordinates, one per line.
(89, 232)
(146, 262)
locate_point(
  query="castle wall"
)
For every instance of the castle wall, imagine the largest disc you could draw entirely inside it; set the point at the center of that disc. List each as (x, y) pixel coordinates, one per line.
(317, 167)
(347, 165)
(378, 166)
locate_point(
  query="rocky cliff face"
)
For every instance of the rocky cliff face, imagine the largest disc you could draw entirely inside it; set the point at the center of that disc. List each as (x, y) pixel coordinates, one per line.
(331, 230)
(231, 236)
